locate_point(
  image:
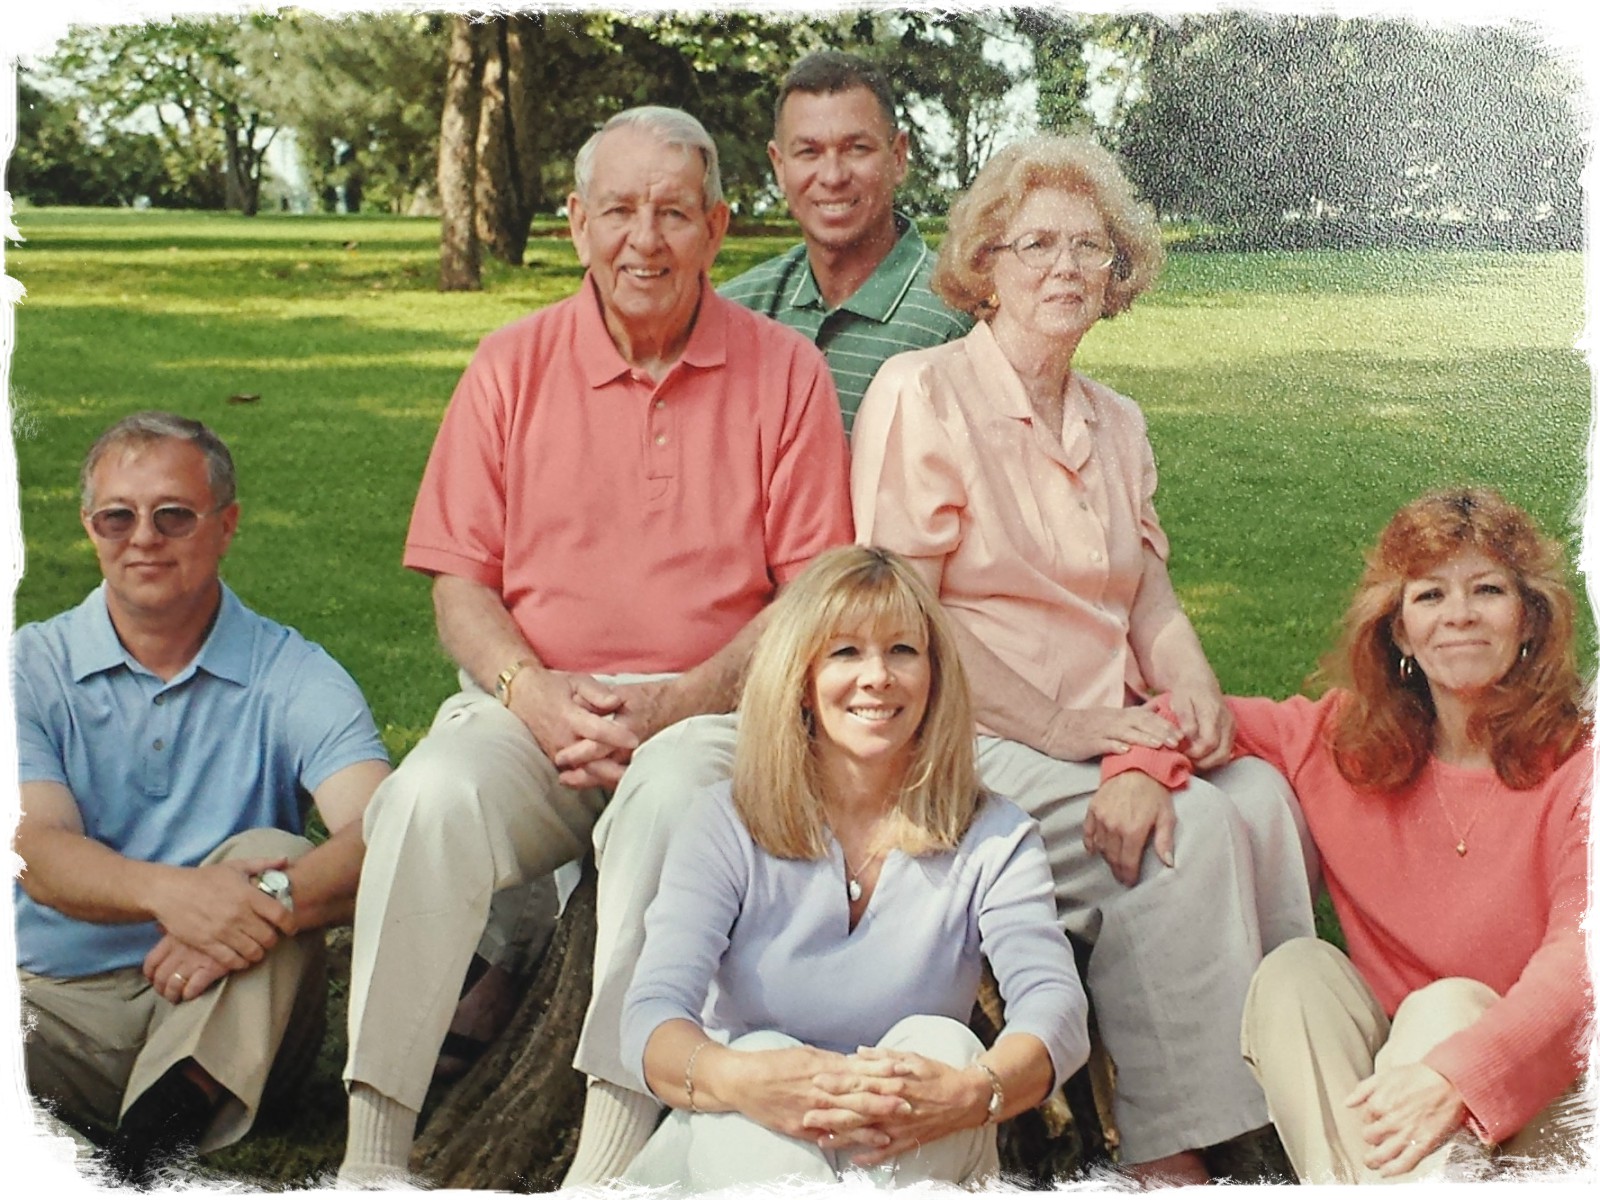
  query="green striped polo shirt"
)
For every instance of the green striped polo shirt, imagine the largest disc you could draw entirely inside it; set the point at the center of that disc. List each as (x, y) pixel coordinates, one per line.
(891, 312)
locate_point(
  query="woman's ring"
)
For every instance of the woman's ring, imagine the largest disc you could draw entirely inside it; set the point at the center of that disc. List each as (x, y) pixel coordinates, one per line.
(178, 976)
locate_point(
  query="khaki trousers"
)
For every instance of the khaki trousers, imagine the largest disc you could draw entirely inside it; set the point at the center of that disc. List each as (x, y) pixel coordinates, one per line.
(703, 1152)
(1313, 1030)
(475, 810)
(95, 1045)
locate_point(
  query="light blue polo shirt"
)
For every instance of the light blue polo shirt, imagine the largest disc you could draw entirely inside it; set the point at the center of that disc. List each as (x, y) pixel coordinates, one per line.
(167, 771)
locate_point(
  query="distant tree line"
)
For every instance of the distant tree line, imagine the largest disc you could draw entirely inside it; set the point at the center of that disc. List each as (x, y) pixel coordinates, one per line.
(1262, 130)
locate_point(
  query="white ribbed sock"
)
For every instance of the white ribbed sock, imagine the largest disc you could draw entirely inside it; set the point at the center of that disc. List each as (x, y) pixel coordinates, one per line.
(378, 1148)
(617, 1122)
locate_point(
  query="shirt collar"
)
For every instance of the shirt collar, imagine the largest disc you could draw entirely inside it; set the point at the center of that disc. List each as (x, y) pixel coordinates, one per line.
(1010, 398)
(602, 361)
(881, 293)
(95, 647)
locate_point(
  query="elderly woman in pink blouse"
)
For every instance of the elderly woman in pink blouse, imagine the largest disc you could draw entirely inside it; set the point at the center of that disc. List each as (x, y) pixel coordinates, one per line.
(1023, 492)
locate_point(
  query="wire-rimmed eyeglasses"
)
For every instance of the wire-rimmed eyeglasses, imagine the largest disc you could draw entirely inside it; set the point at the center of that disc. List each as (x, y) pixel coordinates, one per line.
(1041, 250)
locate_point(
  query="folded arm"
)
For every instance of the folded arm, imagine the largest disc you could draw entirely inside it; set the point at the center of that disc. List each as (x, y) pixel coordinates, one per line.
(215, 909)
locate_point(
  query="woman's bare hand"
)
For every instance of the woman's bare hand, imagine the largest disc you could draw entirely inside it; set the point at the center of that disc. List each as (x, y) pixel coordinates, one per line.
(1083, 734)
(1407, 1112)
(1207, 724)
(932, 1101)
(1127, 811)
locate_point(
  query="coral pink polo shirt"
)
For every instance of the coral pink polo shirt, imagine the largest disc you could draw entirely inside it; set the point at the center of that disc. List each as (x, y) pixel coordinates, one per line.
(628, 525)
(1040, 542)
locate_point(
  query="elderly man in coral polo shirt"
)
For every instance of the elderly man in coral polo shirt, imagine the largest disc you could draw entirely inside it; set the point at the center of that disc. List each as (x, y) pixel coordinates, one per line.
(621, 483)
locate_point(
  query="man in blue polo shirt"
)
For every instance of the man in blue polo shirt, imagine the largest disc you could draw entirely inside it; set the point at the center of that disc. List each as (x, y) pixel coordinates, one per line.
(857, 285)
(169, 910)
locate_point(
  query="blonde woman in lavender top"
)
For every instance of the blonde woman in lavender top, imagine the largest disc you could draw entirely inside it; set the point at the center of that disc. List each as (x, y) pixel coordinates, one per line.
(815, 948)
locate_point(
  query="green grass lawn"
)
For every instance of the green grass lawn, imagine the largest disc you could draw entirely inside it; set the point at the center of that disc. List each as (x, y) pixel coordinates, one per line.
(1294, 401)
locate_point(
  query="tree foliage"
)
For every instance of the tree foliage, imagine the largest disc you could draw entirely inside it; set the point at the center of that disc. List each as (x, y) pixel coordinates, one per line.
(363, 95)
(58, 161)
(1358, 126)
(188, 77)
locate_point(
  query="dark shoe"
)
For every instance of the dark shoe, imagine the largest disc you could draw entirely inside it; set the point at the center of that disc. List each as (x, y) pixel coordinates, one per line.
(165, 1123)
(488, 1002)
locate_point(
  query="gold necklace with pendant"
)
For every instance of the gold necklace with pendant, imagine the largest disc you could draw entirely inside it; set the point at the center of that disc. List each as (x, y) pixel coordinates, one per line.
(1459, 834)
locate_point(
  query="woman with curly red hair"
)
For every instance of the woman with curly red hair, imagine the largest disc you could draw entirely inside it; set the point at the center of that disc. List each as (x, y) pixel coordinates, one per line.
(1446, 783)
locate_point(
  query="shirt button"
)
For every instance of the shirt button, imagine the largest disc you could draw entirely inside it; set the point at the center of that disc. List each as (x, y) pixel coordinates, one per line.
(1083, 505)
(1094, 556)
(159, 744)
(161, 700)
(661, 439)
(661, 403)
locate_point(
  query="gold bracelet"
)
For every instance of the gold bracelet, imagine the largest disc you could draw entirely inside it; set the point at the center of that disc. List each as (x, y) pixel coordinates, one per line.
(688, 1074)
(997, 1096)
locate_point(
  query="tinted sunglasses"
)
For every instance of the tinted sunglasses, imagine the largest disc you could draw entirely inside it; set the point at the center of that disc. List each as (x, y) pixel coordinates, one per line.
(117, 523)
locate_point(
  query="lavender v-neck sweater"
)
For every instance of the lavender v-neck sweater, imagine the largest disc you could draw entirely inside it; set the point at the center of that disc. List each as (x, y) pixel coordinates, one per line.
(768, 939)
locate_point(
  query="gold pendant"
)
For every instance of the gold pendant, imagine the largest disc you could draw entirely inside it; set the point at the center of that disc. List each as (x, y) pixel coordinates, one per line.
(1461, 848)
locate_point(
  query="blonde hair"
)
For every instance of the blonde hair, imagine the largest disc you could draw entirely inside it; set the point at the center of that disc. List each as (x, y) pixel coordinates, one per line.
(964, 277)
(777, 786)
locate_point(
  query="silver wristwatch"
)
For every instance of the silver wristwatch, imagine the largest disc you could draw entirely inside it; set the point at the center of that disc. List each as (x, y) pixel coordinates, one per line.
(276, 885)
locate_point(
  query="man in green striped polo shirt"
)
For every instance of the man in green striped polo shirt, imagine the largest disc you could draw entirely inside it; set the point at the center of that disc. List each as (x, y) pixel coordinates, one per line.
(858, 284)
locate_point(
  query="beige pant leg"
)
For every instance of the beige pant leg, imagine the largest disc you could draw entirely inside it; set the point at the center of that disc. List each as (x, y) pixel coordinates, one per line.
(476, 807)
(252, 1025)
(705, 1152)
(971, 1156)
(630, 844)
(80, 1040)
(1424, 1019)
(1311, 1032)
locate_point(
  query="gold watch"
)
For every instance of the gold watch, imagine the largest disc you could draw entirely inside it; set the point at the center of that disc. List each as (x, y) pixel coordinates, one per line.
(502, 682)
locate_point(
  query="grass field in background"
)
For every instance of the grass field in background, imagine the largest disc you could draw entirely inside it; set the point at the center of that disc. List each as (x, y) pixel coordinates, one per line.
(1294, 401)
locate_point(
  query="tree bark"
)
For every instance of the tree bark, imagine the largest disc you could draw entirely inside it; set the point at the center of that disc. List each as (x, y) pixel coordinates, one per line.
(512, 1121)
(459, 253)
(495, 198)
(524, 41)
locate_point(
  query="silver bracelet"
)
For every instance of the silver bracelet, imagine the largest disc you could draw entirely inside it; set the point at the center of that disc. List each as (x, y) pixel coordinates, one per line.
(688, 1074)
(997, 1095)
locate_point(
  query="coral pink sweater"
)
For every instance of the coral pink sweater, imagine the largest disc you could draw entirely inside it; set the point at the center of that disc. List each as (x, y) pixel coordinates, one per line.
(1414, 911)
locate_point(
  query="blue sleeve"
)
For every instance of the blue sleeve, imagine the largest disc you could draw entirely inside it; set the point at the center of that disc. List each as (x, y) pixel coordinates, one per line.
(1032, 960)
(328, 722)
(39, 750)
(686, 929)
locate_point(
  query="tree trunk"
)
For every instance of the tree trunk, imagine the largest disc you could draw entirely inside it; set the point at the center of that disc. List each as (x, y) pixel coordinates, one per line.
(524, 43)
(512, 1121)
(459, 265)
(496, 199)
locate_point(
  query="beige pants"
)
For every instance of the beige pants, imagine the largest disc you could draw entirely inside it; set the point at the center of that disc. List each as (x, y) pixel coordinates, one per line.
(95, 1045)
(702, 1152)
(475, 810)
(1313, 1030)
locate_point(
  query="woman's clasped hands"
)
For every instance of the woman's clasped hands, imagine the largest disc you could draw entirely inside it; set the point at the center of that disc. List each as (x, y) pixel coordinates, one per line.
(884, 1103)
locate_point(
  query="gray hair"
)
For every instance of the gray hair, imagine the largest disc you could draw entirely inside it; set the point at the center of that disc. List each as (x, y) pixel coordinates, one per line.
(673, 127)
(153, 425)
